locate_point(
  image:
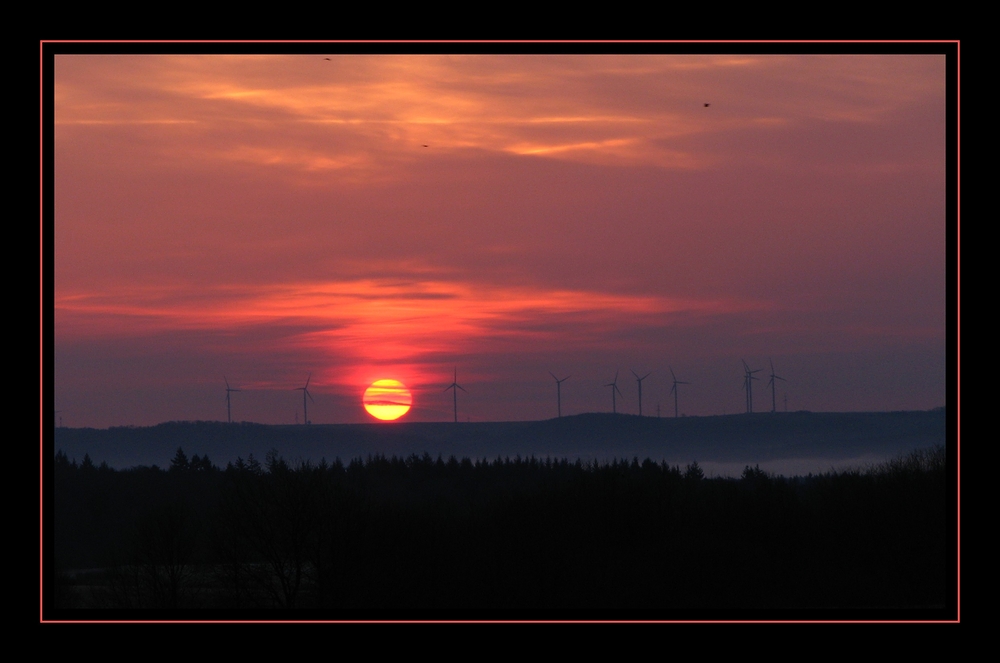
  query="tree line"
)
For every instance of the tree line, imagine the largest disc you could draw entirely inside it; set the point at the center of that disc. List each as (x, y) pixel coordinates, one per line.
(415, 533)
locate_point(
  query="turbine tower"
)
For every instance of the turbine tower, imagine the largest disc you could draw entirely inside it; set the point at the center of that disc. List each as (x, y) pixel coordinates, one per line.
(305, 392)
(614, 388)
(673, 390)
(772, 383)
(748, 378)
(454, 386)
(229, 407)
(559, 391)
(639, 380)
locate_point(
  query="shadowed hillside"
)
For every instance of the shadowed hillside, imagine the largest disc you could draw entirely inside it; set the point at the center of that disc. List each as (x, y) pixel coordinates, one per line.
(736, 439)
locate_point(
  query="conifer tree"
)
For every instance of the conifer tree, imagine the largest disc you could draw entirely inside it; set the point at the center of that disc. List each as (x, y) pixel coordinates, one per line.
(180, 461)
(694, 472)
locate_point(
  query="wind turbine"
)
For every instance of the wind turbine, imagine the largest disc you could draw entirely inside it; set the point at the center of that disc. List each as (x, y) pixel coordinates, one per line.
(774, 405)
(673, 390)
(305, 392)
(559, 391)
(454, 386)
(229, 407)
(614, 388)
(639, 380)
(748, 378)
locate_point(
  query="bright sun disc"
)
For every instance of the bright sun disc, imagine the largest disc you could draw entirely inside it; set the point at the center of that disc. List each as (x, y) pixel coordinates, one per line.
(387, 399)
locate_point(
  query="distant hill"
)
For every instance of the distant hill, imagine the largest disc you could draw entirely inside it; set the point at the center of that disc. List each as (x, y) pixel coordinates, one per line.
(729, 440)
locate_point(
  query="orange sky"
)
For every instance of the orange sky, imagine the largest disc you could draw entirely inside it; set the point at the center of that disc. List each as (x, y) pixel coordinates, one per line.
(364, 217)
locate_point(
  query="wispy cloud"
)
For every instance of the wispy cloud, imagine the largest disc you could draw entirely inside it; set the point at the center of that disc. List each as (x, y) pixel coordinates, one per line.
(377, 112)
(385, 321)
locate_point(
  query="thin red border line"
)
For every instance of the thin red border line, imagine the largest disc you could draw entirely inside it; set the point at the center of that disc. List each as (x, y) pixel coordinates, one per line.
(958, 331)
(958, 323)
(41, 328)
(501, 621)
(958, 304)
(501, 41)
(492, 41)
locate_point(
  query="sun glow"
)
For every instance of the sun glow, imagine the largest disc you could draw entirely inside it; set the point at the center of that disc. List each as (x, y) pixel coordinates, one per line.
(387, 399)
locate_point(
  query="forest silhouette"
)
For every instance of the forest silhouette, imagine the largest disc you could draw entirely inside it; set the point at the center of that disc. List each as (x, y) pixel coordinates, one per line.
(388, 537)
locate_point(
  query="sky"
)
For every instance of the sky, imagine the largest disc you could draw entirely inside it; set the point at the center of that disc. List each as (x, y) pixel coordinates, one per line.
(264, 220)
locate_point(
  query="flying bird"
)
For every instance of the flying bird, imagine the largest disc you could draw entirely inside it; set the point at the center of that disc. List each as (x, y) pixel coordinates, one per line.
(706, 105)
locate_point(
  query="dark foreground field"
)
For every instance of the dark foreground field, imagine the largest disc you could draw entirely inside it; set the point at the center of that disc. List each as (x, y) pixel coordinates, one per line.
(425, 537)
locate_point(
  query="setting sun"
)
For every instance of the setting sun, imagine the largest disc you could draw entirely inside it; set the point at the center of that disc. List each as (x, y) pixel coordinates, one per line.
(387, 399)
